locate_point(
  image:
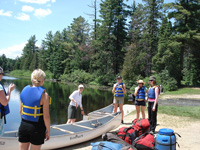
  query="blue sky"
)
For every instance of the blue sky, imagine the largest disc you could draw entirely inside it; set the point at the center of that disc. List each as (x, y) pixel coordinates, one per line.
(20, 19)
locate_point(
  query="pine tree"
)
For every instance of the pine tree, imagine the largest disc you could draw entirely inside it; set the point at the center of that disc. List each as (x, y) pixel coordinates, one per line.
(153, 10)
(167, 57)
(29, 52)
(187, 35)
(135, 64)
(111, 36)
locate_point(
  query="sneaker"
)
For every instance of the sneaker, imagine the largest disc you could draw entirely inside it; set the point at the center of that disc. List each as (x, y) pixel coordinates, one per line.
(122, 122)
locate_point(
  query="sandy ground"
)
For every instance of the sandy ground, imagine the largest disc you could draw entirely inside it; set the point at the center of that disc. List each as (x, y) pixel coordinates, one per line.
(189, 130)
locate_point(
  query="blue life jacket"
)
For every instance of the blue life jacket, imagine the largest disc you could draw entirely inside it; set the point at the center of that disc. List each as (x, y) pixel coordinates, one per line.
(106, 145)
(151, 93)
(30, 98)
(4, 109)
(141, 93)
(118, 91)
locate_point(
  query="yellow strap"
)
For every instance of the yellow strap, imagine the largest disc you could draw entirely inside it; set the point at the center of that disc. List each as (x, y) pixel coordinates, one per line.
(28, 114)
(29, 107)
(35, 111)
(50, 100)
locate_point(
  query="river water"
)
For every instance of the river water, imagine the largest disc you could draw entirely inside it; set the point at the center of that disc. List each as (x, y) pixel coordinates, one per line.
(93, 99)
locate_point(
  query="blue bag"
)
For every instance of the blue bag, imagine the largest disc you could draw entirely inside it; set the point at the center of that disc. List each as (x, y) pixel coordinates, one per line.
(105, 145)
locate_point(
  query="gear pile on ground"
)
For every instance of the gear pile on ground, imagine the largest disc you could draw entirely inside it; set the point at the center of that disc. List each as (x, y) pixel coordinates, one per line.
(135, 137)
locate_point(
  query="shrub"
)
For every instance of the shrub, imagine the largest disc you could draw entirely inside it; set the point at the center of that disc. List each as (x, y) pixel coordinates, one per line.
(49, 75)
(25, 73)
(78, 76)
(168, 83)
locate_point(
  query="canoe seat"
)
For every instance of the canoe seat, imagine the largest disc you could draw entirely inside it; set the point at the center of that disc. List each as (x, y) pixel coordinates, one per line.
(63, 130)
(82, 126)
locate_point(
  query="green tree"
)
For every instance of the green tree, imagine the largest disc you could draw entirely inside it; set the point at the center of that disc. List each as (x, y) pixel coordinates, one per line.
(135, 64)
(167, 57)
(153, 11)
(111, 37)
(29, 55)
(186, 37)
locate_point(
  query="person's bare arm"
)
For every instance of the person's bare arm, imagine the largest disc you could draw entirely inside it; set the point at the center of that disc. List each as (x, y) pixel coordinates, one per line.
(4, 99)
(147, 91)
(156, 99)
(46, 115)
(136, 91)
(124, 89)
(20, 109)
(82, 111)
(114, 87)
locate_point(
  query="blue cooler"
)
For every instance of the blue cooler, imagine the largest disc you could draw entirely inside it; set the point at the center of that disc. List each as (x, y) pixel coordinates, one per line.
(166, 140)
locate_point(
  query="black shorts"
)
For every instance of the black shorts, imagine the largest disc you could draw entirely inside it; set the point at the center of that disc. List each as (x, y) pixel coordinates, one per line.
(140, 103)
(33, 132)
(72, 112)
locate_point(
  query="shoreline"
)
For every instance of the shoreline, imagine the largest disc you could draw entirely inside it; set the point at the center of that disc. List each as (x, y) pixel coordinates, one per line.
(181, 125)
(92, 86)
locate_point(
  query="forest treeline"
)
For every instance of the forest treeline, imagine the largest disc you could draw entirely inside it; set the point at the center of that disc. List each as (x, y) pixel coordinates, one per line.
(135, 41)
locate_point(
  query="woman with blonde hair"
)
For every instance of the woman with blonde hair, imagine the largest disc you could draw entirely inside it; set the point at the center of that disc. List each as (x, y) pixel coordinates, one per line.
(34, 109)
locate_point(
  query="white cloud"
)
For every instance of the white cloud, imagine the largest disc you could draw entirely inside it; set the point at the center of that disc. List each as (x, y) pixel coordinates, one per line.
(53, 1)
(22, 16)
(26, 8)
(6, 13)
(35, 1)
(42, 12)
(13, 51)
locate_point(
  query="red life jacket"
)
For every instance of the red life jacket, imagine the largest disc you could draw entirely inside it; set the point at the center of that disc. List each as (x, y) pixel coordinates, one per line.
(141, 126)
(125, 134)
(144, 142)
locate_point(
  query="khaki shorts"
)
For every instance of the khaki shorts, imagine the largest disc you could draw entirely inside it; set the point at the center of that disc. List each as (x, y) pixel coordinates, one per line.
(118, 100)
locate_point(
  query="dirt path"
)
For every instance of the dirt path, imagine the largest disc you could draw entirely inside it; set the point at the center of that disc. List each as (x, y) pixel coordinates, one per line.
(186, 127)
(183, 96)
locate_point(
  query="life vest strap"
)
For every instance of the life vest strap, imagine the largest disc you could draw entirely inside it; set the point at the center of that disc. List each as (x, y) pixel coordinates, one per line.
(35, 111)
(50, 100)
(34, 115)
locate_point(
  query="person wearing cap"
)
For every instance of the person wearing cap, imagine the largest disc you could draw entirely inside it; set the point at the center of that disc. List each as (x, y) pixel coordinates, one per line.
(4, 99)
(153, 94)
(119, 89)
(76, 100)
(140, 96)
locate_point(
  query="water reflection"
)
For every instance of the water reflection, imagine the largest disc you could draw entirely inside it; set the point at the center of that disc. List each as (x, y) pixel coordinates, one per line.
(92, 99)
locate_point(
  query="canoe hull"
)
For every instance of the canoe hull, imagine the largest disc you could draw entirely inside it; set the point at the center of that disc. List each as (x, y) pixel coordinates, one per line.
(59, 141)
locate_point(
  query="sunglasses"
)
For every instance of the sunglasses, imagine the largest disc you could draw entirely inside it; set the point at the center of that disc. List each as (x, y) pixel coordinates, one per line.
(1, 73)
(150, 80)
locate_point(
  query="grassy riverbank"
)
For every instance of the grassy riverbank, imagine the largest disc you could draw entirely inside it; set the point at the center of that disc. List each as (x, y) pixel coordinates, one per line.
(185, 90)
(183, 111)
(27, 74)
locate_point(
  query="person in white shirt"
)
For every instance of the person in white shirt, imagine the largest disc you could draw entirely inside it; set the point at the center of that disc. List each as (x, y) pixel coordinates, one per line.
(76, 100)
